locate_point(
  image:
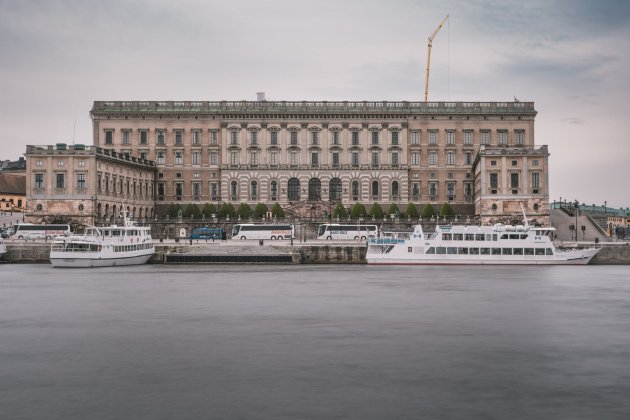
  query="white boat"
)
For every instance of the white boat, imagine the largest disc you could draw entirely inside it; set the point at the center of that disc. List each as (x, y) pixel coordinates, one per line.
(498, 244)
(104, 246)
(3, 248)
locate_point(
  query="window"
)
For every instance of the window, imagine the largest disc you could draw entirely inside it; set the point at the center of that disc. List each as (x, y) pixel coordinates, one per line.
(253, 190)
(160, 190)
(274, 158)
(196, 158)
(450, 137)
(253, 136)
(80, 181)
(335, 137)
(144, 136)
(535, 162)
(494, 181)
(314, 137)
(159, 137)
(234, 190)
(196, 190)
(375, 189)
(274, 137)
(179, 190)
(375, 158)
(395, 138)
(395, 158)
(493, 163)
(109, 137)
(294, 138)
(213, 137)
(60, 163)
(355, 190)
(395, 190)
(433, 189)
(355, 158)
(335, 159)
(179, 158)
(520, 138)
(432, 137)
(314, 158)
(514, 163)
(502, 137)
(81, 164)
(234, 158)
(374, 137)
(468, 189)
(274, 190)
(294, 158)
(415, 158)
(485, 137)
(160, 157)
(468, 158)
(126, 136)
(253, 158)
(196, 137)
(179, 137)
(39, 163)
(415, 189)
(61, 181)
(432, 157)
(450, 189)
(415, 137)
(234, 137)
(39, 180)
(214, 190)
(335, 189)
(468, 137)
(355, 138)
(450, 158)
(535, 180)
(514, 180)
(293, 189)
(214, 157)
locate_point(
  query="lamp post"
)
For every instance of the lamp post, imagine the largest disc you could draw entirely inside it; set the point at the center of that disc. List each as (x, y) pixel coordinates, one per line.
(577, 208)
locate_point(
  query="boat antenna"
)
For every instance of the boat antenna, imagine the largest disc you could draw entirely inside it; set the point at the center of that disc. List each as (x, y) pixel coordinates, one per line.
(525, 223)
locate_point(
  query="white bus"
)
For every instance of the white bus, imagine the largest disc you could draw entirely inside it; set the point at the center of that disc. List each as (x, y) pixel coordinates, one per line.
(335, 231)
(32, 231)
(262, 231)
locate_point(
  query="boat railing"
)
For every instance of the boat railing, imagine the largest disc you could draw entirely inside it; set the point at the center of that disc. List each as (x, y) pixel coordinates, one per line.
(385, 241)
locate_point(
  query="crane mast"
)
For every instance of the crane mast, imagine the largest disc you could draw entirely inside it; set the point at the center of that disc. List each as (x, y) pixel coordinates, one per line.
(431, 38)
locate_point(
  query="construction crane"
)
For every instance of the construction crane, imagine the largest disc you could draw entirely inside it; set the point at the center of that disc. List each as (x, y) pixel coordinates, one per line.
(431, 38)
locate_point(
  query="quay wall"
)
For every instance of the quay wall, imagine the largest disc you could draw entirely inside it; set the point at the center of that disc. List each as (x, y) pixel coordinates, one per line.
(38, 252)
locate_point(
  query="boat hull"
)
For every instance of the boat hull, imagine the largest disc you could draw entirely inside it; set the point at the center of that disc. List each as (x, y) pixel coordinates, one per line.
(68, 261)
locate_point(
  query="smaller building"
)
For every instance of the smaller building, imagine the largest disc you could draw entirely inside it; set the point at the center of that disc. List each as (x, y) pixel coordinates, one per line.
(12, 192)
(86, 185)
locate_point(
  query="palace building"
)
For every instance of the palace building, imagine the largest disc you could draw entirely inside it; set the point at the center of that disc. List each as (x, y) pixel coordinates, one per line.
(308, 156)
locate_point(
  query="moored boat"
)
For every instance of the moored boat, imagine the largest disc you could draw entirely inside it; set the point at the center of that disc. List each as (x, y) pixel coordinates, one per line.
(3, 248)
(104, 246)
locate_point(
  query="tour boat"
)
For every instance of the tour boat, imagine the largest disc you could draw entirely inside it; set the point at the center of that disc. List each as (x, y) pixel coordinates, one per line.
(498, 244)
(3, 248)
(104, 246)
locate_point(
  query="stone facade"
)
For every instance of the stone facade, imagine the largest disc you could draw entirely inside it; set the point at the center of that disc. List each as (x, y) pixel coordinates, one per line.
(78, 184)
(309, 153)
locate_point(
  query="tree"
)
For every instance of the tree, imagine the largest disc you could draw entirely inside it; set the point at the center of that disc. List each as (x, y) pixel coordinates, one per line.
(446, 210)
(412, 211)
(209, 209)
(376, 211)
(192, 210)
(393, 209)
(358, 210)
(340, 211)
(276, 211)
(173, 210)
(227, 210)
(260, 210)
(243, 210)
(428, 211)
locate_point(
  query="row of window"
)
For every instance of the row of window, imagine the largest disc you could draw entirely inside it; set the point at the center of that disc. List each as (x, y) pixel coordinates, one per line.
(160, 136)
(487, 251)
(39, 163)
(60, 180)
(514, 180)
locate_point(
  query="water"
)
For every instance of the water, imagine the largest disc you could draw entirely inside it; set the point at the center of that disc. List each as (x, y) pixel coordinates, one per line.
(314, 342)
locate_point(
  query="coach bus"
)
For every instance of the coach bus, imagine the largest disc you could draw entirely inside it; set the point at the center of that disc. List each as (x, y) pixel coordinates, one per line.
(263, 231)
(347, 232)
(32, 231)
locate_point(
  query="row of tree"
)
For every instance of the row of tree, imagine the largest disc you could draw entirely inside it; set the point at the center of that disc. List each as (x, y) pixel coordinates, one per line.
(244, 210)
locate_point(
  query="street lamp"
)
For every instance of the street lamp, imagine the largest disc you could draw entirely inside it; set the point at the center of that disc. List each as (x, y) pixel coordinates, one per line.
(576, 219)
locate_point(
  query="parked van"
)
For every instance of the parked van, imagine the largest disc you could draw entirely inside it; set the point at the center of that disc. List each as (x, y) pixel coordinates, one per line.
(206, 233)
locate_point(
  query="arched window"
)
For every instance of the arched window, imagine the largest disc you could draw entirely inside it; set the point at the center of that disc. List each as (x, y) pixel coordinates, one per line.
(234, 190)
(253, 190)
(335, 190)
(274, 190)
(375, 190)
(356, 191)
(314, 189)
(294, 189)
(395, 190)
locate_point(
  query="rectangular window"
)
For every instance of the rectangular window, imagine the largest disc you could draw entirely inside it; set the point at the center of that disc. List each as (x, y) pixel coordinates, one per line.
(468, 137)
(144, 155)
(126, 136)
(335, 159)
(494, 181)
(450, 158)
(335, 137)
(502, 137)
(485, 137)
(214, 190)
(234, 137)
(415, 158)
(196, 158)
(144, 136)
(61, 181)
(450, 137)
(39, 163)
(274, 158)
(253, 158)
(468, 158)
(355, 138)
(395, 138)
(514, 180)
(80, 181)
(39, 180)
(450, 188)
(394, 158)
(179, 158)
(374, 137)
(355, 158)
(294, 158)
(196, 137)
(314, 137)
(535, 180)
(433, 189)
(233, 158)
(159, 137)
(314, 158)
(196, 188)
(214, 138)
(432, 137)
(179, 137)
(109, 137)
(375, 159)
(179, 190)
(520, 138)
(274, 137)
(253, 137)
(415, 189)
(160, 157)
(415, 137)
(432, 157)
(294, 138)
(214, 157)
(468, 189)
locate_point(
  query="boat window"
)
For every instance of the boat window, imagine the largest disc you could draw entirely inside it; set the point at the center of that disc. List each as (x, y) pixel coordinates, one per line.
(446, 236)
(504, 236)
(518, 251)
(458, 236)
(115, 233)
(440, 250)
(479, 237)
(463, 251)
(431, 250)
(494, 237)
(514, 236)
(469, 237)
(523, 236)
(529, 251)
(540, 251)
(507, 251)
(549, 251)
(451, 250)
(474, 251)
(496, 251)
(409, 249)
(488, 237)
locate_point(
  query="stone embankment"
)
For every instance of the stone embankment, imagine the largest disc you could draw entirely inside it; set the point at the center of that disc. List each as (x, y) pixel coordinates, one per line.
(312, 252)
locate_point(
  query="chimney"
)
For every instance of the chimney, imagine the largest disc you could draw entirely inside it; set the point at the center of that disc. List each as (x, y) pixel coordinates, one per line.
(260, 96)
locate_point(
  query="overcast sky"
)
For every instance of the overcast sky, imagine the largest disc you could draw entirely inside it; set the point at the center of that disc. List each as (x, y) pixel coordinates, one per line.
(570, 57)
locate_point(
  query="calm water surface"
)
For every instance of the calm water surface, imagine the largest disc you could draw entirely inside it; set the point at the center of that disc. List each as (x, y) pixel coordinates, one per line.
(314, 342)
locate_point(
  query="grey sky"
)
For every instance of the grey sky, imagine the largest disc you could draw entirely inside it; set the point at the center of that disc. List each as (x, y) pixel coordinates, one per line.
(570, 57)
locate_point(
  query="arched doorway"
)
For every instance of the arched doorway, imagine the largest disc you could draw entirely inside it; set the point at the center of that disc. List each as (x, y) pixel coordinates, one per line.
(314, 189)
